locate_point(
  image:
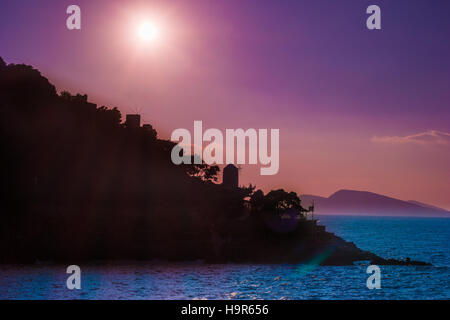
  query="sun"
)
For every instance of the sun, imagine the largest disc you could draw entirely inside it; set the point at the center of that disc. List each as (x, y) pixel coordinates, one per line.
(147, 31)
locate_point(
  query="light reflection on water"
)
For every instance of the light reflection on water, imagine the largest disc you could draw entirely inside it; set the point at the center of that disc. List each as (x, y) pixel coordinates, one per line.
(226, 281)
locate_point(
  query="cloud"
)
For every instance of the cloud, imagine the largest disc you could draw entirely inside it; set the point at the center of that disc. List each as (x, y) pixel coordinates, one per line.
(425, 138)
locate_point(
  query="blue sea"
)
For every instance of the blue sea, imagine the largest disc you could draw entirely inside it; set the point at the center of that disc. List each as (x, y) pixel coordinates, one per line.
(416, 238)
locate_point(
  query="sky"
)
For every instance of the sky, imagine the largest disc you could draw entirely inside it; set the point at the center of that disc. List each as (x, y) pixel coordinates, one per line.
(356, 108)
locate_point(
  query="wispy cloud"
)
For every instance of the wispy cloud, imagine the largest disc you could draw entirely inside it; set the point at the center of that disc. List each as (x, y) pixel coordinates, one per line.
(427, 137)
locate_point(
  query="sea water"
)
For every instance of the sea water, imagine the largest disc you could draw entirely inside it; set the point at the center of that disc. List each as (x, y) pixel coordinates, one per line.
(425, 239)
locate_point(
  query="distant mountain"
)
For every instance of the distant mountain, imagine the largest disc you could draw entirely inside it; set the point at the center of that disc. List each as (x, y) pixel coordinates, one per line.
(351, 202)
(425, 205)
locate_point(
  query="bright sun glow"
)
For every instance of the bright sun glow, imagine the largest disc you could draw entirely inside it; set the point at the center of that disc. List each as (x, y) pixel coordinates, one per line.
(148, 31)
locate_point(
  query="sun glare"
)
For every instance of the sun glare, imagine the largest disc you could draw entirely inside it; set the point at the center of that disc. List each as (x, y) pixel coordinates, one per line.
(147, 31)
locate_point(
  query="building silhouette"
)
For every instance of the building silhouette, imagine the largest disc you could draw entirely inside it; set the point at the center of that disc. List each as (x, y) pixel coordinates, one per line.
(133, 121)
(230, 177)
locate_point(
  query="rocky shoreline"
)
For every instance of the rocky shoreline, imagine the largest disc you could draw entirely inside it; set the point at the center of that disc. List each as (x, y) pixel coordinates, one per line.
(306, 243)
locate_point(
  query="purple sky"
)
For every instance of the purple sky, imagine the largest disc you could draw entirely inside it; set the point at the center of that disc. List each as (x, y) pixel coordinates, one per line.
(356, 109)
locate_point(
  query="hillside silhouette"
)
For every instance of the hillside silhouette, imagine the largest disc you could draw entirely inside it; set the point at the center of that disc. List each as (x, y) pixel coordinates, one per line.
(80, 184)
(76, 182)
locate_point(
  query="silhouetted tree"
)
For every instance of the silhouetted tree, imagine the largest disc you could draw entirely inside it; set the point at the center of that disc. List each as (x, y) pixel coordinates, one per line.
(257, 201)
(279, 200)
(202, 170)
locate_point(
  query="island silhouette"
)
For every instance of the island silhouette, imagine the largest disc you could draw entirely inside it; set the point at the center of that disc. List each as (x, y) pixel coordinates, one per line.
(80, 184)
(364, 203)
